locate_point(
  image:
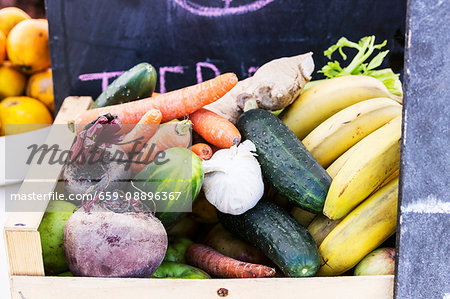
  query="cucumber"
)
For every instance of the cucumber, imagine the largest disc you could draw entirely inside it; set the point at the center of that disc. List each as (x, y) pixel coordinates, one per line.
(284, 241)
(285, 162)
(136, 83)
(171, 182)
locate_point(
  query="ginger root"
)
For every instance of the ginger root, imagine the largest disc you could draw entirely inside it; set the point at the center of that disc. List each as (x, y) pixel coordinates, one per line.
(274, 86)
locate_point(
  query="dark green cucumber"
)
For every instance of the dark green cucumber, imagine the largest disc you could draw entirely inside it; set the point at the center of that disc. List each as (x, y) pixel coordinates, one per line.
(269, 228)
(285, 161)
(136, 83)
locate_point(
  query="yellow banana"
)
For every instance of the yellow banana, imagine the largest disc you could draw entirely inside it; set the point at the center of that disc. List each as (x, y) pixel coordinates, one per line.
(334, 168)
(329, 97)
(320, 227)
(363, 230)
(372, 162)
(342, 130)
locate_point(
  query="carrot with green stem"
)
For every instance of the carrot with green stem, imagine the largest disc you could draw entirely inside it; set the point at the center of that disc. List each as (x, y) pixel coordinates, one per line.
(141, 133)
(202, 150)
(175, 104)
(172, 134)
(215, 129)
(219, 265)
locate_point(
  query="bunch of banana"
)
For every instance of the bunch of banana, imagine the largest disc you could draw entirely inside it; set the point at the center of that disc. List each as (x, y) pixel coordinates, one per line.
(352, 125)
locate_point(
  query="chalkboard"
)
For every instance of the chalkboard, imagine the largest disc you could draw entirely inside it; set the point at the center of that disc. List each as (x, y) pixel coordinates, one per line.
(423, 269)
(187, 41)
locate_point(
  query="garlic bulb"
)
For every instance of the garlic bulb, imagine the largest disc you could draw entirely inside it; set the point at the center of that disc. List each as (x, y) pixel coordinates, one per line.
(233, 180)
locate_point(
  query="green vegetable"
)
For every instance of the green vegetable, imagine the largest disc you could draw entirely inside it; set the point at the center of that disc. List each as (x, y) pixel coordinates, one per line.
(366, 47)
(171, 183)
(51, 232)
(177, 249)
(282, 239)
(284, 160)
(66, 274)
(176, 270)
(136, 83)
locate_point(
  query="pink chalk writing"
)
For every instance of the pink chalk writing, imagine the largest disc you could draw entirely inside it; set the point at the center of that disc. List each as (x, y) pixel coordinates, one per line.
(227, 3)
(199, 67)
(252, 70)
(162, 75)
(206, 65)
(206, 11)
(105, 76)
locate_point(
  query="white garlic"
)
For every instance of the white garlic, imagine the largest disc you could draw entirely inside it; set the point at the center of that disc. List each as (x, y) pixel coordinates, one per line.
(233, 180)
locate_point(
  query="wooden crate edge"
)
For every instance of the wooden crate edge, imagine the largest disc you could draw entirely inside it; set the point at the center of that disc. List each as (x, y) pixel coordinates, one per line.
(348, 287)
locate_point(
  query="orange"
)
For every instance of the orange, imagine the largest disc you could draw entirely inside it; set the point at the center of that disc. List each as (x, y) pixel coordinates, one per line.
(23, 110)
(2, 46)
(40, 86)
(27, 46)
(12, 81)
(9, 17)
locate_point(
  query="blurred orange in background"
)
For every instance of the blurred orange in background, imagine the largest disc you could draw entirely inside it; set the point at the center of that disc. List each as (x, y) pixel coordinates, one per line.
(10, 17)
(24, 65)
(27, 46)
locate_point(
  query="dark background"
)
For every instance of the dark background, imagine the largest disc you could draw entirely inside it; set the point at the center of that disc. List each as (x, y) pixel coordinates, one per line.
(35, 8)
(92, 36)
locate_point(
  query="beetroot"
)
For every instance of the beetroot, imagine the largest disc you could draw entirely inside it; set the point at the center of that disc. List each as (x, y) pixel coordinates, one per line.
(108, 244)
(97, 164)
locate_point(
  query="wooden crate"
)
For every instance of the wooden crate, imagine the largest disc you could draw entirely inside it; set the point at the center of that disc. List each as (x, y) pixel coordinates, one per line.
(27, 269)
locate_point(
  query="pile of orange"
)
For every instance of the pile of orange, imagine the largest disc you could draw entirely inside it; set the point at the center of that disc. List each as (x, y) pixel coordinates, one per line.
(26, 87)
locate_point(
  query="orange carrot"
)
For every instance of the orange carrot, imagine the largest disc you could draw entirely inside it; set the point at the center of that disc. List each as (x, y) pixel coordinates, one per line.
(172, 134)
(217, 264)
(172, 105)
(214, 128)
(155, 94)
(141, 133)
(202, 150)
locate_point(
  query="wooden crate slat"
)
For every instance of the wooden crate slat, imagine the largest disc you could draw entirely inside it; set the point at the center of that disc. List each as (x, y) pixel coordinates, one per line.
(24, 253)
(348, 287)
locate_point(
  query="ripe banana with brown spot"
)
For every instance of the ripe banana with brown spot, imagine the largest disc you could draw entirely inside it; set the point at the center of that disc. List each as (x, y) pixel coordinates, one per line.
(327, 98)
(344, 129)
(375, 159)
(360, 232)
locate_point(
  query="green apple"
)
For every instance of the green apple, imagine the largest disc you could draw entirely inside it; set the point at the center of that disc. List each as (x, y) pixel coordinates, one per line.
(379, 262)
(176, 270)
(177, 249)
(51, 231)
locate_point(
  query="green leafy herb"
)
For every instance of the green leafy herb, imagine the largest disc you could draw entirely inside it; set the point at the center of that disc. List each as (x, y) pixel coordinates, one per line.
(358, 66)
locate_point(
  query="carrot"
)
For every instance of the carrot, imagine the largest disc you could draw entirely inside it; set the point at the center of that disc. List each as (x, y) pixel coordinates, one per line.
(202, 150)
(172, 134)
(217, 264)
(172, 105)
(141, 133)
(214, 128)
